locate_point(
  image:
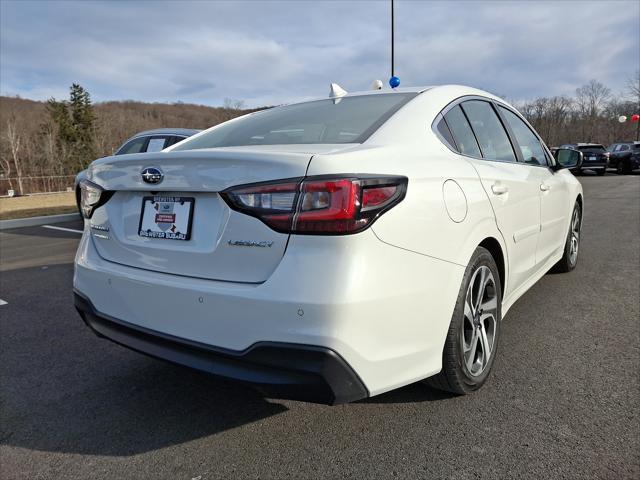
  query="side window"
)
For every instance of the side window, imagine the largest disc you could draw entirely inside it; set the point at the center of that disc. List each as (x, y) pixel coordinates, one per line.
(491, 135)
(134, 146)
(156, 144)
(462, 132)
(444, 131)
(532, 150)
(172, 140)
(624, 148)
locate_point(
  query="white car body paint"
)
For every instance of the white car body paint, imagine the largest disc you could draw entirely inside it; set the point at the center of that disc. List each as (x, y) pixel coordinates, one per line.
(382, 298)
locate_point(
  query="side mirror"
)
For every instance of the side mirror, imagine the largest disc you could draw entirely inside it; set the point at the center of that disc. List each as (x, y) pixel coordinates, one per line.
(568, 158)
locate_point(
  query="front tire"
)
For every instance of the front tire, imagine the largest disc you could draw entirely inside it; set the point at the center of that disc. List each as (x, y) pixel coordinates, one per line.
(569, 258)
(471, 344)
(601, 173)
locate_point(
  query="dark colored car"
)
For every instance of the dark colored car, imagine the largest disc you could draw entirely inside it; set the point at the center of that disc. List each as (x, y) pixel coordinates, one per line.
(624, 157)
(595, 157)
(144, 142)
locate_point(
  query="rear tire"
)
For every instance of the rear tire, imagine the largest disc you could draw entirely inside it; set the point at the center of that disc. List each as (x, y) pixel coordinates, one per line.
(472, 341)
(569, 258)
(623, 168)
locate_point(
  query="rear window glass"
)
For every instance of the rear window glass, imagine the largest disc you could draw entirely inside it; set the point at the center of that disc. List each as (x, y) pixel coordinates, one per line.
(341, 120)
(592, 149)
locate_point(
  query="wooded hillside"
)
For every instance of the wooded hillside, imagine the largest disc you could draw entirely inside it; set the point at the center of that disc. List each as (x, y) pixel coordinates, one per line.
(31, 143)
(61, 137)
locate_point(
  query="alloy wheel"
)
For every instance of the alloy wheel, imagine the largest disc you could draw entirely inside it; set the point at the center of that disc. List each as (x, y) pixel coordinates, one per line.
(575, 236)
(479, 325)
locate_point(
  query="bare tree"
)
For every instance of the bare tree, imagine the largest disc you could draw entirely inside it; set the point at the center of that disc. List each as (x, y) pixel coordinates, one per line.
(14, 140)
(591, 100)
(232, 104)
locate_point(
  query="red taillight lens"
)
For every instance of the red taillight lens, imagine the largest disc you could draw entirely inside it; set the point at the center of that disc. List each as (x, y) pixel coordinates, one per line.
(319, 205)
(377, 196)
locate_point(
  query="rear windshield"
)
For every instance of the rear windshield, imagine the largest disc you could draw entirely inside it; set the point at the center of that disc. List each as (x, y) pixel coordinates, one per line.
(592, 149)
(636, 146)
(342, 120)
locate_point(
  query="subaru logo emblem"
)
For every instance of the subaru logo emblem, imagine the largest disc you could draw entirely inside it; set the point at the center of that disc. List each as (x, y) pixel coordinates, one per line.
(152, 175)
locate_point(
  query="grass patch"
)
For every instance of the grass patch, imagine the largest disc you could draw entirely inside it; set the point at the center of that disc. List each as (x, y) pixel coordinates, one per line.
(37, 205)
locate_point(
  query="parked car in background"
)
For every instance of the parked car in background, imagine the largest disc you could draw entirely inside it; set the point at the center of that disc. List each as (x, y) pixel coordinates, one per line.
(144, 142)
(624, 157)
(595, 157)
(333, 249)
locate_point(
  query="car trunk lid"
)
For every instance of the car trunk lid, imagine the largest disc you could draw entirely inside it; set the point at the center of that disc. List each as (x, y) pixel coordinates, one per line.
(222, 244)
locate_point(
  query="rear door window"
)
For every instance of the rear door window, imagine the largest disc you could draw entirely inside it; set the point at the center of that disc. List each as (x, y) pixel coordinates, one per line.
(462, 132)
(527, 141)
(492, 137)
(157, 144)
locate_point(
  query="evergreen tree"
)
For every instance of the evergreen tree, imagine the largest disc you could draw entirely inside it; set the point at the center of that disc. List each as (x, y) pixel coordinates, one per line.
(72, 124)
(83, 125)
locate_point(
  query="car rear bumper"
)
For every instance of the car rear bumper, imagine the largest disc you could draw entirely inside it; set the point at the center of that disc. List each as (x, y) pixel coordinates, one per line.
(593, 166)
(301, 372)
(384, 310)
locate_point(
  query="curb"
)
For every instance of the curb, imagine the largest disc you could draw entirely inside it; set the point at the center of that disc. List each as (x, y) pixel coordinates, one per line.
(35, 221)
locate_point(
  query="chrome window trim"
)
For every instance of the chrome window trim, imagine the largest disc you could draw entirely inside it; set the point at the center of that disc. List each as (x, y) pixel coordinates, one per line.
(457, 101)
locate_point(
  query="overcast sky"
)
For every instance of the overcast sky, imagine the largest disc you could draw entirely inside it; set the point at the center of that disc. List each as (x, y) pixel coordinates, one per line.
(267, 53)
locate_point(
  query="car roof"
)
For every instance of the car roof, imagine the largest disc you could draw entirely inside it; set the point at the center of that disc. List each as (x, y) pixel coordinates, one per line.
(361, 93)
(187, 132)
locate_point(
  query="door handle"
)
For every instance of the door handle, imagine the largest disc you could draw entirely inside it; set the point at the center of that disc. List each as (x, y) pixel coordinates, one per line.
(499, 189)
(545, 188)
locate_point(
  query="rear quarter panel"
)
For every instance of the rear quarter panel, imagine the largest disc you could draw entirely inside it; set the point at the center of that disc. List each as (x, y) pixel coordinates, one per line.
(406, 145)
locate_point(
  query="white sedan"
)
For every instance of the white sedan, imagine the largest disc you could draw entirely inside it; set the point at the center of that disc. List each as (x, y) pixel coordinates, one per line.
(333, 249)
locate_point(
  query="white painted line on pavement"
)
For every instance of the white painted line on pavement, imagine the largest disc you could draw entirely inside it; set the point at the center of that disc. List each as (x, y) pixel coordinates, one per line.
(62, 228)
(2, 302)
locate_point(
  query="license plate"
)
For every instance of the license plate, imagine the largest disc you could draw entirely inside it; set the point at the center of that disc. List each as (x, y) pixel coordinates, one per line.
(593, 159)
(166, 217)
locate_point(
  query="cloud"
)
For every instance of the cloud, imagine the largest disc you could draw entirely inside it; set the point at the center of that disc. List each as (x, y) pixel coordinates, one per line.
(273, 52)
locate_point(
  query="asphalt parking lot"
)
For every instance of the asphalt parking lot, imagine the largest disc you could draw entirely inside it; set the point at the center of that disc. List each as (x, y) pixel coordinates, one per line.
(563, 400)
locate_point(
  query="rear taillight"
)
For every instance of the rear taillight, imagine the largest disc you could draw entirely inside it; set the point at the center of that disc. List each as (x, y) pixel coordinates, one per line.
(319, 205)
(92, 196)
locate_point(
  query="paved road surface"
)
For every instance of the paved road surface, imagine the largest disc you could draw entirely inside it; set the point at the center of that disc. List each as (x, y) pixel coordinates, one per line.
(563, 402)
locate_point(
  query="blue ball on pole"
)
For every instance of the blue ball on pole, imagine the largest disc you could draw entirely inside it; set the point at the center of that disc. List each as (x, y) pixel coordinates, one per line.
(394, 82)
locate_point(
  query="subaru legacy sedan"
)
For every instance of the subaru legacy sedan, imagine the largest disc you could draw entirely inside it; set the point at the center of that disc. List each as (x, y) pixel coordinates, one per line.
(334, 249)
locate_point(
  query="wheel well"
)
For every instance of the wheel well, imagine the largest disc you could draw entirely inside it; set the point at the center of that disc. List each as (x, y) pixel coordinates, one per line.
(495, 250)
(579, 201)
